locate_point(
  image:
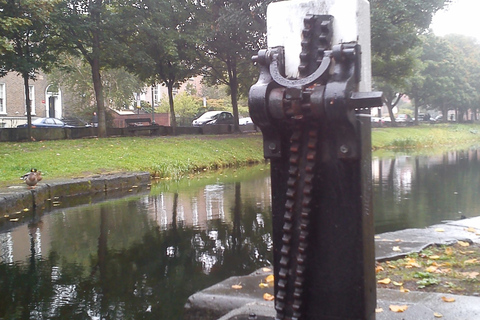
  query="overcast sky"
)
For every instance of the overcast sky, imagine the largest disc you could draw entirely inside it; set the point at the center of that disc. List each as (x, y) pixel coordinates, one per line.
(461, 17)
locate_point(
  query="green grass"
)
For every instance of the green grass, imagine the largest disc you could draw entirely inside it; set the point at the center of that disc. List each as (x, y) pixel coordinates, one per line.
(425, 139)
(175, 157)
(163, 157)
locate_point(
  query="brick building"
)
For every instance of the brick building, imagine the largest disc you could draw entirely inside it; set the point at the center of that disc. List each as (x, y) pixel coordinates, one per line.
(46, 100)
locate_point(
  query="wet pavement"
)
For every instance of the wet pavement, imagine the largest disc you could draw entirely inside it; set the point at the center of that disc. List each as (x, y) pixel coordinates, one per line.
(223, 302)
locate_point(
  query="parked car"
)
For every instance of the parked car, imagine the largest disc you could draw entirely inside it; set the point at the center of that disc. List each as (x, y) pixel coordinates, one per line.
(404, 119)
(213, 117)
(46, 123)
(377, 122)
(245, 121)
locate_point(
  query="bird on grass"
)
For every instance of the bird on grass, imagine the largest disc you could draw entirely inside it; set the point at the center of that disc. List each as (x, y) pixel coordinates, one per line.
(32, 178)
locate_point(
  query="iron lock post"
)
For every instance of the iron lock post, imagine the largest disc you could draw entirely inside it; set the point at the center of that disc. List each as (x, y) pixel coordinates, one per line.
(316, 132)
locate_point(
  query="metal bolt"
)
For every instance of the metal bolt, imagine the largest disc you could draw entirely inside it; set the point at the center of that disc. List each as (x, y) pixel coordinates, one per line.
(344, 149)
(272, 147)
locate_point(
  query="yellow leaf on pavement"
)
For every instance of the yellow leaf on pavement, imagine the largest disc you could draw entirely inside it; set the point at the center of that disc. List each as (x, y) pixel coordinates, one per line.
(396, 308)
(472, 230)
(463, 243)
(384, 281)
(263, 285)
(437, 315)
(396, 249)
(398, 284)
(378, 269)
(268, 297)
(269, 278)
(267, 270)
(445, 299)
(439, 230)
(403, 290)
(378, 310)
(237, 286)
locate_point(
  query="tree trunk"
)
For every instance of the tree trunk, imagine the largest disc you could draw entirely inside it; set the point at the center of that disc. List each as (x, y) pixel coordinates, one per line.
(96, 77)
(233, 81)
(28, 105)
(173, 120)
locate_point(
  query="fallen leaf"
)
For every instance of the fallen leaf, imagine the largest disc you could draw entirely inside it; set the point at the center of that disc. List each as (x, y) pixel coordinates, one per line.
(396, 249)
(385, 281)
(377, 237)
(269, 278)
(463, 243)
(398, 284)
(470, 275)
(378, 269)
(14, 220)
(403, 290)
(237, 286)
(267, 270)
(268, 297)
(445, 299)
(391, 266)
(378, 310)
(263, 285)
(396, 308)
(431, 269)
(471, 261)
(434, 257)
(437, 315)
(439, 230)
(398, 240)
(472, 230)
(26, 210)
(448, 251)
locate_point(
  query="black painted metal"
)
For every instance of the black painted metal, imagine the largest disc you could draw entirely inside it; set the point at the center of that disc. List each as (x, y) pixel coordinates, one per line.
(316, 134)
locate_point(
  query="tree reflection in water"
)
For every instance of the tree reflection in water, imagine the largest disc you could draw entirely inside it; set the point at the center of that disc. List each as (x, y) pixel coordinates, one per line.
(113, 261)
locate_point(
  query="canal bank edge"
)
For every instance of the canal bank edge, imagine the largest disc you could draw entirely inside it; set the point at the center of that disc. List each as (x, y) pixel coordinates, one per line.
(241, 297)
(16, 201)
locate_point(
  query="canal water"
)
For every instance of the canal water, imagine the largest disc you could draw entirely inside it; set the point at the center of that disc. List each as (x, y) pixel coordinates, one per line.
(140, 257)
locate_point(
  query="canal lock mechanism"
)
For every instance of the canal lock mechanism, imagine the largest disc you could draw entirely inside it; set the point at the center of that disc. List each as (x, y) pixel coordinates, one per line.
(316, 130)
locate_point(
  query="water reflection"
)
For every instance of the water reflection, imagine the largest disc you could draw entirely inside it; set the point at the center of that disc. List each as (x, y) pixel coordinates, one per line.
(415, 192)
(138, 257)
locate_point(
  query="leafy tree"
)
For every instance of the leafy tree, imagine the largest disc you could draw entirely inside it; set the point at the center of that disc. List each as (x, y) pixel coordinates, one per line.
(186, 105)
(74, 76)
(82, 28)
(444, 77)
(234, 32)
(467, 51)
(396, 27)
(159, 45)
(25, 48)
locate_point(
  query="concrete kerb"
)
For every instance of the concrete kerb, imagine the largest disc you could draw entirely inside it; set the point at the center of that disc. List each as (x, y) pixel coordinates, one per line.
(17, 198)
(224, 303)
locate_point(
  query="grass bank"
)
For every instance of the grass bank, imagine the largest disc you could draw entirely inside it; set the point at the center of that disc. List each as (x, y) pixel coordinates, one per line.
(161, 156)
(174, 157)
(425, 139)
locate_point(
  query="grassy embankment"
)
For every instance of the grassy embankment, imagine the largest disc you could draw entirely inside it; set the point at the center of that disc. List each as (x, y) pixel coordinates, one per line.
(162, 156)
(178, 156)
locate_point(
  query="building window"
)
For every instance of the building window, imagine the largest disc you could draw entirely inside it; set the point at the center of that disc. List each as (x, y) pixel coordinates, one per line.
(3, 107)
(31, 91)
